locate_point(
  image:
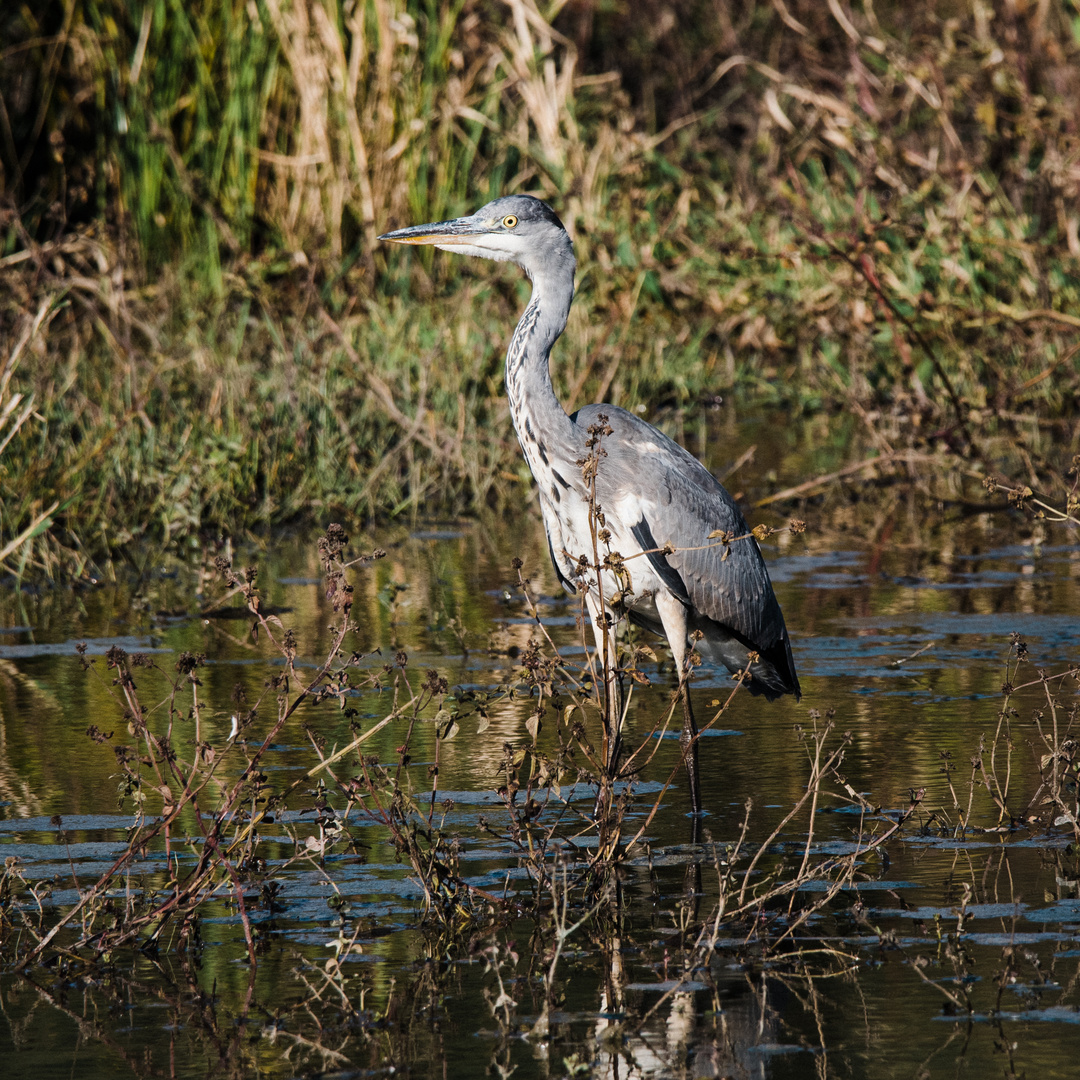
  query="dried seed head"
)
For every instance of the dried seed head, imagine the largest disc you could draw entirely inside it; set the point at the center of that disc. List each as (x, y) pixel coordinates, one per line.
(336, 535)
(188, 662)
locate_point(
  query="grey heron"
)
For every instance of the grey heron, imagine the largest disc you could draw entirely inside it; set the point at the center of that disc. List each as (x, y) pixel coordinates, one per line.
(650, 502)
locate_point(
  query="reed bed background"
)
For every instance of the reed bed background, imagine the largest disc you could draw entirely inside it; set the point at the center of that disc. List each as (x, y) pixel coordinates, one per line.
(865, 210)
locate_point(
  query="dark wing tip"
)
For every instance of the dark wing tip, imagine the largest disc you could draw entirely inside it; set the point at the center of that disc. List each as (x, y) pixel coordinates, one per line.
(774, 674)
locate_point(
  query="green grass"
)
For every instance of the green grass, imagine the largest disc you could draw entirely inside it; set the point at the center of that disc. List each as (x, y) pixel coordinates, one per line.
(886, 229)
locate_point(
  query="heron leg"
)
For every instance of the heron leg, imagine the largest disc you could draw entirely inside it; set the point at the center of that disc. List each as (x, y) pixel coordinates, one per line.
(673, 618)
(688, 741)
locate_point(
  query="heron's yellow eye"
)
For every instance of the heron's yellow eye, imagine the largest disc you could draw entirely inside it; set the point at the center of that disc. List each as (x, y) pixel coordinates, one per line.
(509, 221)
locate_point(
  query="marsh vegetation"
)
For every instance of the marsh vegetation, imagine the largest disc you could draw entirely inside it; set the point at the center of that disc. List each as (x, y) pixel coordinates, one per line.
(294, 797)
(866, 216)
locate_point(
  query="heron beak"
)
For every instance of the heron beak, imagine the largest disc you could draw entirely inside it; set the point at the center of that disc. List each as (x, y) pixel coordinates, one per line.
(456, 232)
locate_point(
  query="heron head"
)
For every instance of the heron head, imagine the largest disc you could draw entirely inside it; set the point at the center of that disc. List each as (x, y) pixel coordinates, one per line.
(515, 228)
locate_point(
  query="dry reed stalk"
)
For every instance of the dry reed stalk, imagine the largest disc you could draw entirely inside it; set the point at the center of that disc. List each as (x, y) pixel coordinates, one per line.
(16, 408)
(544, 79)
(312, 160)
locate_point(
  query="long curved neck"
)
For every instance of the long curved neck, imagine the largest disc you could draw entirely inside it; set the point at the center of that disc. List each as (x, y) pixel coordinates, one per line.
(540, 421)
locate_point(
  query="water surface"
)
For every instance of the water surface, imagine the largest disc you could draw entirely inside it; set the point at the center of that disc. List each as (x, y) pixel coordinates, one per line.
(905, 646)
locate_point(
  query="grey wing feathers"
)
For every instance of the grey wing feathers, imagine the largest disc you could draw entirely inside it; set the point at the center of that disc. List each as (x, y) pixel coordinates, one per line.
(681, 502)
(735, 591)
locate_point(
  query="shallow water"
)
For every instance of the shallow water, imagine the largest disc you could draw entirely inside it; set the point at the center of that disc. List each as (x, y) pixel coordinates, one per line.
(908, 644)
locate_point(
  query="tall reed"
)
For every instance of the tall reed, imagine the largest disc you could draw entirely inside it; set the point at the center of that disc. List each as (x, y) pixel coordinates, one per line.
(867, 210)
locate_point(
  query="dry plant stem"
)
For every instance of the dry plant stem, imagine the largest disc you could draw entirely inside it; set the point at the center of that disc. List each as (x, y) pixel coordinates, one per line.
(40, 523)
(611, 705)
(560, 898)
(218, 604)
(570, 675)
(331, 978)
(831, 763)
(846, 863)
(999, 794)
(955, 798)
(538, 866)
(330, 1057)
(657, 802)
(990, 779)
(962, 1004)
(103, 883)
(726, 540)
(971, 791)
(199, 879)
(1053, 513)
(314, 771)
(1060, 756)
(46, 312)
(652, 740)
(724, 877)
(412, 428)
(899, 456)
(424, 864)
(817, 774)
(434, 781)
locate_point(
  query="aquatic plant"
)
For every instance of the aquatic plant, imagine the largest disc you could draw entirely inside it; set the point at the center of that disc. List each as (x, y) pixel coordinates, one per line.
(553, 890)
(192, 788)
